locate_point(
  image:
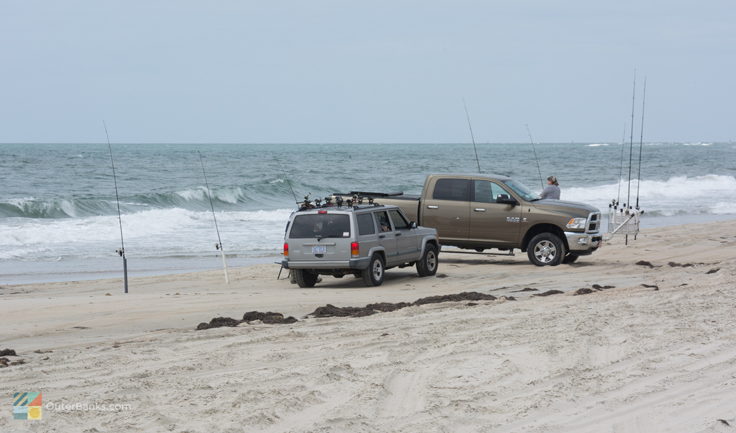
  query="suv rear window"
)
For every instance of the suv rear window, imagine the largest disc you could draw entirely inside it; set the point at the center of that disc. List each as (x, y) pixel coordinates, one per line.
(320, 226)
(452, 189)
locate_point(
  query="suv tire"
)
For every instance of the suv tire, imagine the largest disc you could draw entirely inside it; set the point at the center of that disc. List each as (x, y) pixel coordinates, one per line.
(546, 249)
(373, 274)
(304, 278)
(427, 265)
(570, 258)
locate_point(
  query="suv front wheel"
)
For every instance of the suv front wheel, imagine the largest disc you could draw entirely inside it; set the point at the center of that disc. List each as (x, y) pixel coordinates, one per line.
(373, 274)
(546, 249)
(427, 265)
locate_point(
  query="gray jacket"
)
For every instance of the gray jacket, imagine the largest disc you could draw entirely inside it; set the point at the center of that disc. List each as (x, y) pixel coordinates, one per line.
(551, 192)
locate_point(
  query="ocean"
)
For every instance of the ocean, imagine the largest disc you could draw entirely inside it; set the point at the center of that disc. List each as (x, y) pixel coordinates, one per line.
(58, 215)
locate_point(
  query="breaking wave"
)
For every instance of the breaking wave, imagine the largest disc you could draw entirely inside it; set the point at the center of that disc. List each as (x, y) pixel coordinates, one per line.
(709, 194)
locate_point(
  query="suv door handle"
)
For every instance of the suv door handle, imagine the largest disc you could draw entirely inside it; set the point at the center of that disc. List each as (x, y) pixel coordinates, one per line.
(431, 206)
(381, 236)
(479, 209)
(398, 234)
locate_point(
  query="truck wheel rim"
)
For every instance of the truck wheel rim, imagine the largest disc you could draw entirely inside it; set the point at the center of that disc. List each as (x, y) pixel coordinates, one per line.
(545, 251)
(377, 270)
(431, 260)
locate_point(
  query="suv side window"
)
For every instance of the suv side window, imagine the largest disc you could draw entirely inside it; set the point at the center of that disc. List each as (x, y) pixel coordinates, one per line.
(487, 192)
(383, 223)
(399, 221)
(452, 189)
(365, 224)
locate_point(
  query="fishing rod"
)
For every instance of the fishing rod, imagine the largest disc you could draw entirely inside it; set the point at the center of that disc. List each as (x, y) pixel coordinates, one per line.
(121, 251)
(472, 137)
(218, 246)
(641, 140)
(631, 143)
(288, 182)
(541, 182)
(621, 167)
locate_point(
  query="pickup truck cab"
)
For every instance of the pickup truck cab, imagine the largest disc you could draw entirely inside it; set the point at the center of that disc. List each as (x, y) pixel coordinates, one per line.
(363, 240)
(488, 211)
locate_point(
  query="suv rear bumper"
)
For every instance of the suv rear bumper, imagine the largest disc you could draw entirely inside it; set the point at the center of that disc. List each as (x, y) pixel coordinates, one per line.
(361, 263)
(583, 243)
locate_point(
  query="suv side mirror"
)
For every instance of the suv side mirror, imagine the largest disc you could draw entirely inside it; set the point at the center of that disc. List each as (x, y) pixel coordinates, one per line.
(412, 224)
(505, 199)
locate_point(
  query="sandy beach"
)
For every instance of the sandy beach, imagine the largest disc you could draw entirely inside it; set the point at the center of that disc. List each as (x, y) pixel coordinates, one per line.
(655, 352)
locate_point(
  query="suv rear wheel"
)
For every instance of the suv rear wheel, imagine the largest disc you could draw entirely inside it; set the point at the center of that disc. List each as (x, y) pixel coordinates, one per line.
(305, 278)
(373, 274)
(427, 265)
(546, 249)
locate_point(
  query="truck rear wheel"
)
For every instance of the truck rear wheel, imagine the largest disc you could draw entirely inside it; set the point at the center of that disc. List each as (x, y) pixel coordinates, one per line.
(305, 278)
(546, 249)
(427, 265)
(373, 274)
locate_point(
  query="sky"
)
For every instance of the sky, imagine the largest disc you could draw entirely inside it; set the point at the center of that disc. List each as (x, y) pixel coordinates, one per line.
(359, 72)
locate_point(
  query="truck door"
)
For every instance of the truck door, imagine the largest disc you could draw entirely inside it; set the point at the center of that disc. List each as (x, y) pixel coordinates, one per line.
(497, 223)
(447, 209)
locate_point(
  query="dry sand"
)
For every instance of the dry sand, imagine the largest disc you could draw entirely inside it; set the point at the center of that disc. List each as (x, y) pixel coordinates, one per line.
(625, 359)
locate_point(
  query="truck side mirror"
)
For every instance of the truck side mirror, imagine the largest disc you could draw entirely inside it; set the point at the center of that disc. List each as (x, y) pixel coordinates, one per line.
(412, 225)
(505, 199)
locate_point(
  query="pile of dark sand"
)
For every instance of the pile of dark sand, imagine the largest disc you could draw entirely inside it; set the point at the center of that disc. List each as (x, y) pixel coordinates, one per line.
(330, 310)
(270, 318)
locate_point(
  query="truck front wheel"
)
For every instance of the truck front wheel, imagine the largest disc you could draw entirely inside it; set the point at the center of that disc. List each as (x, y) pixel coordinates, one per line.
(546, 249)
(427, 265)
(304, 278)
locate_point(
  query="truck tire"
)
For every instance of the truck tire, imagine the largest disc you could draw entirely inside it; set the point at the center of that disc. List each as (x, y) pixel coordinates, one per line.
(546, 249)
(304, 278)
(570, 258)
(373, 274)
(427, 265)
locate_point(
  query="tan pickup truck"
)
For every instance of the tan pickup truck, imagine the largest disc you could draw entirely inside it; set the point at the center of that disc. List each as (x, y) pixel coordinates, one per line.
(485, 211)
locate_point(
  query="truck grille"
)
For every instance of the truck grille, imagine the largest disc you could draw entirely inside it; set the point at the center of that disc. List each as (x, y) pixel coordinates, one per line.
(594, 222)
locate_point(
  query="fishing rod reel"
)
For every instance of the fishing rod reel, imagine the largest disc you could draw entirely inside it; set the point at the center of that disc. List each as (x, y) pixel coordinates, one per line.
(218, 246)
(120, 252)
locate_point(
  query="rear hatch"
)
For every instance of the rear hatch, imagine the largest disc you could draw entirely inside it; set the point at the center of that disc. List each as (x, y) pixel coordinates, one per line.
(320, 236)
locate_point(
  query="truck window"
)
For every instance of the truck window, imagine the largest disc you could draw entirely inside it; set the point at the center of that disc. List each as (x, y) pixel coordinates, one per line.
(366, 226)
(452, 189)
(399, 221)
(486, 191)
(383, 223)
(320, 226)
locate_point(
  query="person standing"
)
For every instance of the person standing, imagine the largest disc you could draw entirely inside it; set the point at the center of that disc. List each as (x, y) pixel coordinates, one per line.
(552, 190)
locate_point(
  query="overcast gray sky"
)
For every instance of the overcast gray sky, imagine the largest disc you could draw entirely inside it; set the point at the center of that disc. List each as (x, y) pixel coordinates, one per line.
(373, 71)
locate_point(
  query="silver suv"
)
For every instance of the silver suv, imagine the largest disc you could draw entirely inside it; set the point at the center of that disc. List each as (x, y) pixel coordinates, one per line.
(359, 240)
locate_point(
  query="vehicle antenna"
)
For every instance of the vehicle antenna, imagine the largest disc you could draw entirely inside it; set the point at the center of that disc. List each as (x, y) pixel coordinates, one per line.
(531, 140)
(641, 140)
(621, 169)
(631, 143)
(218, 246)
(121, 251)
(472, 137)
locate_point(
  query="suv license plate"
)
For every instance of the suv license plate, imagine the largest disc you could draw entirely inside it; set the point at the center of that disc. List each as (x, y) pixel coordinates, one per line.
(319, 249)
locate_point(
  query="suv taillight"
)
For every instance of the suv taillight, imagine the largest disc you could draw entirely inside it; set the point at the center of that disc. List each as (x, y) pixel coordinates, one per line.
(354, 249)
(286, 249)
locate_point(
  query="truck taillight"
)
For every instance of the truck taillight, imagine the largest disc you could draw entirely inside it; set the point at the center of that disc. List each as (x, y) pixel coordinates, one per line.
(286, 249)
(354, 249)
